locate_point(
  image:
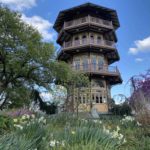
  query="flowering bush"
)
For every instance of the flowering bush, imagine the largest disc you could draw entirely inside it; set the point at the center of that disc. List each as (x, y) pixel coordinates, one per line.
(26, 120)
(115, 134)
(140, 98)
(127, 119)
(55, 143)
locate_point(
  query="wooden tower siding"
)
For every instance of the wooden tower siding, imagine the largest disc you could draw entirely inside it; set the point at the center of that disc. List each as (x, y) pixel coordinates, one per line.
(87, 37)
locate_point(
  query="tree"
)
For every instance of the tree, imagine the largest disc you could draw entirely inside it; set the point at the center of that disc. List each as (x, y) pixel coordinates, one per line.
(75, 81)
(25, 61)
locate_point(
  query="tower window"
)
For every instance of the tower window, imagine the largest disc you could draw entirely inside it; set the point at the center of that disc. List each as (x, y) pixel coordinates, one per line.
(92, 39)
(101, 101)
(77, 63)
(77, 41)
(93, 63)
(84, 39)
(76, 38)
(80, 99)
(99, 40)
(97, 100)
(83, 99)
(101, 63)
(93, 97)
(85, 63)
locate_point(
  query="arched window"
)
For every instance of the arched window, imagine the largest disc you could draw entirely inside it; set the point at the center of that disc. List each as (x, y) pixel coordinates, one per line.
(77, 63)
(84, 39)
(68, 43)
(79, 99)
(76, 38)
(84, 100)
(85, 63)
(97, 99)
(92, 38)
(99, 40)
(101, 101)
(100, 63)
(93, 97)
(93, 63)
(76, 41)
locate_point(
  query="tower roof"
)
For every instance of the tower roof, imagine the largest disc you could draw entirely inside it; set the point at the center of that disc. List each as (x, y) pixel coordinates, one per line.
(97, 9)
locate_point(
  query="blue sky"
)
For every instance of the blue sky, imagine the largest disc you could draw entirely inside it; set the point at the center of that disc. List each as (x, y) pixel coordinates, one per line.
(133, 35)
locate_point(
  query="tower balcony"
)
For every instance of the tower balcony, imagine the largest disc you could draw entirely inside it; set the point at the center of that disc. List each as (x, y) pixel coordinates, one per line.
(88, 20)
(81, 23)
(99, 43)
(95, 68)
(110, 72)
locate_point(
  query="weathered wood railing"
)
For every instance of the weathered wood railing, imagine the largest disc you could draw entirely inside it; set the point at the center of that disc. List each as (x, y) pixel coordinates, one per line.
(83, 42)
(88, 19)
(97, 68)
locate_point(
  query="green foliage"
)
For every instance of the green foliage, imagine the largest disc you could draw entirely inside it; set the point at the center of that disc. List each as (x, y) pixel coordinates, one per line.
(70, 77)
(6, 123)
(122, 109)
(28, 138)
(25, 61)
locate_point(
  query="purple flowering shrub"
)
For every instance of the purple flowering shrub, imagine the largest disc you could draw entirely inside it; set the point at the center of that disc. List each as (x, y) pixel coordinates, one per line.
(140, 97)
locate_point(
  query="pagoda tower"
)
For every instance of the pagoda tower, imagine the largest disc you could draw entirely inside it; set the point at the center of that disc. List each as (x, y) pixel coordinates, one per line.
(87, 37)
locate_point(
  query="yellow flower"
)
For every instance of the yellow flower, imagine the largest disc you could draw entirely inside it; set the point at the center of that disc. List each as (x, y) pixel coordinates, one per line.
(118, 128)
(27, 116)
(33, 116)
(72, 132)
(15, 120)
(23, 117)
(18, 126)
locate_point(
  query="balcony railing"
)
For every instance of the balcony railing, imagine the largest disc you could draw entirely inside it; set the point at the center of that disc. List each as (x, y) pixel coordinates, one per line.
(88, 41)
(95, 68)
(88, 19)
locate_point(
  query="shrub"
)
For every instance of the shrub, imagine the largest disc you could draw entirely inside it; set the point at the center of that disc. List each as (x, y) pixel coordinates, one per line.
(140, 98)
(6, 123)
(122, 109)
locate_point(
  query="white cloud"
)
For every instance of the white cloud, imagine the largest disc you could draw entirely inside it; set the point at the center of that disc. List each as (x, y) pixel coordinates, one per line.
(19, 4)
(141, 46)
(139, 59)
(42, 25)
